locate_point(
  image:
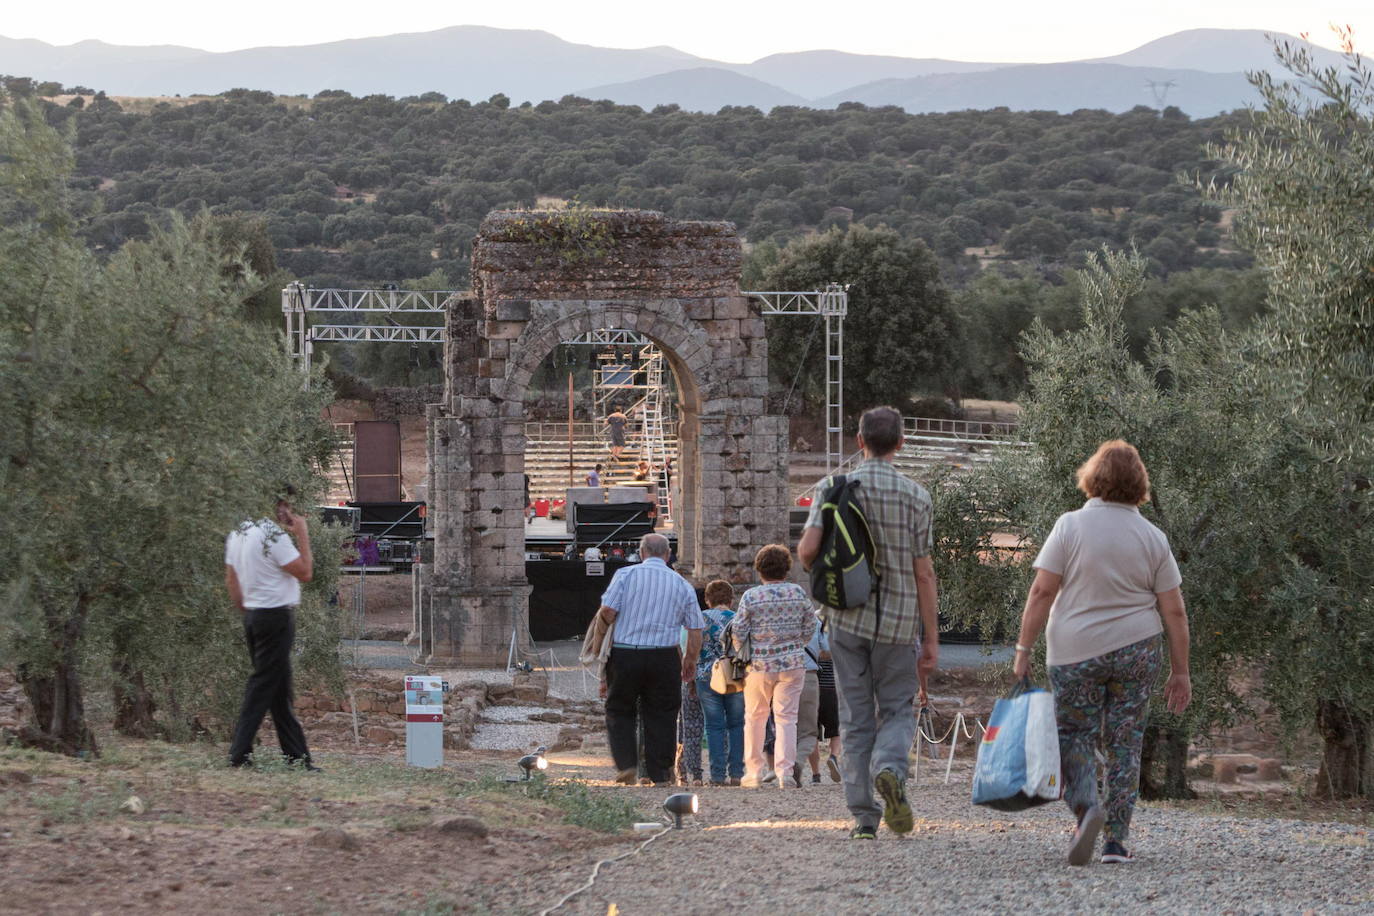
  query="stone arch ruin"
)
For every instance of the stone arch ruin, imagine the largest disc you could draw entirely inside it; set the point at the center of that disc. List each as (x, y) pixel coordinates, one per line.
(542, 277)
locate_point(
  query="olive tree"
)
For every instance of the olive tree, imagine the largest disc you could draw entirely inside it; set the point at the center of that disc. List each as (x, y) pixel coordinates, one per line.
(144, 416)
(1304, 190)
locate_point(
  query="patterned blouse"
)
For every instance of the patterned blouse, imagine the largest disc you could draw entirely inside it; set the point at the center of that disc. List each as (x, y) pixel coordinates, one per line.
(711, 646)
(779, 618)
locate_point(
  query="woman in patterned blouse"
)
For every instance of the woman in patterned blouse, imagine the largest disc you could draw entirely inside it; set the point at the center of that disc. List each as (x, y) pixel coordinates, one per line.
(778, 616)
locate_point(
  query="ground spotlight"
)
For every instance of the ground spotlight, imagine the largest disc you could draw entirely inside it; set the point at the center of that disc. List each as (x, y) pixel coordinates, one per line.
(531, 762)
(680, 804)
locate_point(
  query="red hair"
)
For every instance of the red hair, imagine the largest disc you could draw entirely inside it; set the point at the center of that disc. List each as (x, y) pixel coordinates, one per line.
(1115, 473)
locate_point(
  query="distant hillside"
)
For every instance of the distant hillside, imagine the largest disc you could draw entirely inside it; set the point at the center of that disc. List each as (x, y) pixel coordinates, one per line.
(1058, 87)
(472, 62)
(815, 74)
(701, 89)
(1214, 51)
(475, 62)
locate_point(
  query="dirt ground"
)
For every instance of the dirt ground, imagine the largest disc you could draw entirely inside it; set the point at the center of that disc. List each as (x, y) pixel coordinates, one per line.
(366, 835)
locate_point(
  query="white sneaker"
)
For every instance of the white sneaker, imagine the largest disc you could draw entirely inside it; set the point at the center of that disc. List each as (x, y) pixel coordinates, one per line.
(768, 776)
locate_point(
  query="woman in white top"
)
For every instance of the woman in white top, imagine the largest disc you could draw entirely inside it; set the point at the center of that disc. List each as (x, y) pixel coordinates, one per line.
(1107, 583)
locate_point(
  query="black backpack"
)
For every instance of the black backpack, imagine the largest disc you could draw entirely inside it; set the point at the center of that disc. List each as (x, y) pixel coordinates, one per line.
(845, 571)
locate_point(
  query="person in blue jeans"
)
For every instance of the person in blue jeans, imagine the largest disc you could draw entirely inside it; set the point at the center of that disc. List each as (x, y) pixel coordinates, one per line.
(723, 712)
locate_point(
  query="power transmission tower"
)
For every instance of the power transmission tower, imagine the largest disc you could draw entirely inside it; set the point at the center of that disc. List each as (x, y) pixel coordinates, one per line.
(1160, 90)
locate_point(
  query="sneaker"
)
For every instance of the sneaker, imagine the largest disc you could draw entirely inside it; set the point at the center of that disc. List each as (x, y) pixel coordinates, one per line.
(832, 766)
(734, 781)
(768, 776)
(718, 783)
(748, 782)
(896, 809)
(1085, 837)
(1113, 853)
(815, 779)
(863, 832)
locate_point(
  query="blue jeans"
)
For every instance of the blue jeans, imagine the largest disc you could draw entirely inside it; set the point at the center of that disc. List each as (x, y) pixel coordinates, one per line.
(724, 715)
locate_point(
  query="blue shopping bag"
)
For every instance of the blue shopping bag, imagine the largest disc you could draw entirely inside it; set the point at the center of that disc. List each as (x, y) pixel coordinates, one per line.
(1018, 759)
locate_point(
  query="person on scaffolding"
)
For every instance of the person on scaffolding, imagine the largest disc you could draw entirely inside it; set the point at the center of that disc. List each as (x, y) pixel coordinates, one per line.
(616, 423)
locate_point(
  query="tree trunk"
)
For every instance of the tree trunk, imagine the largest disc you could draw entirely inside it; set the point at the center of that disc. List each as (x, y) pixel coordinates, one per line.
(57, 712)
(1345, 770)
(1166, 748)
(133, 701)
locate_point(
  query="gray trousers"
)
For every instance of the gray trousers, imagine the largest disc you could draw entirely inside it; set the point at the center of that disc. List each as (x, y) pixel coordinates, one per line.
(876, 686)
(808, 717)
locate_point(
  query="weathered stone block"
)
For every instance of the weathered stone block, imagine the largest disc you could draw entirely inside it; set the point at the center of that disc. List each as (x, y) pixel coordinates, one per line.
(512, 310)
(502, 330)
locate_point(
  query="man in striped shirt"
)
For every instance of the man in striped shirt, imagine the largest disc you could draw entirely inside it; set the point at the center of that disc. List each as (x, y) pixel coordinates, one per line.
(650, 605)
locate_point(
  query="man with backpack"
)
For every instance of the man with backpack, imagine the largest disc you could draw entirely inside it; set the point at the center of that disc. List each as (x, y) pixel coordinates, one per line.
(868, 542)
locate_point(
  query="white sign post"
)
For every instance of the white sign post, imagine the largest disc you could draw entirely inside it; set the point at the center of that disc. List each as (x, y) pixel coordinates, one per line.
(424, 721)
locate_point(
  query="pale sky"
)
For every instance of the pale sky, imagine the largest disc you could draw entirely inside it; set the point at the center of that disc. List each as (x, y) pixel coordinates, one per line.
(732, 30)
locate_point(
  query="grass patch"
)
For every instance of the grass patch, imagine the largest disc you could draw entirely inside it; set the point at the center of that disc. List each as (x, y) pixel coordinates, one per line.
(578, 804)
(73, 806)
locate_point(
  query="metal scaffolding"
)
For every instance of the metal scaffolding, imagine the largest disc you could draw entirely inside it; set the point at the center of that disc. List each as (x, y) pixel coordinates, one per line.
(298, 301)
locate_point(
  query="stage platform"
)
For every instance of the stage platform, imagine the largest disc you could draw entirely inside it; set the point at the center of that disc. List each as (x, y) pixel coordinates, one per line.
(547, 534)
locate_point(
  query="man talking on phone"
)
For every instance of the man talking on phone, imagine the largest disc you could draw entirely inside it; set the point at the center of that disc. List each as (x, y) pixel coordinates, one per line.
(263, 571)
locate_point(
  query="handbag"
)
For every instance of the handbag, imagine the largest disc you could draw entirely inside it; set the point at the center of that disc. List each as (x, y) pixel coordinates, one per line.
(728, 671)
(726, 677)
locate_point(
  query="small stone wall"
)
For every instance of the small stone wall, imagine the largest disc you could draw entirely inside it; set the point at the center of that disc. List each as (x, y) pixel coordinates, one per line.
(394, 403)
(603, 254)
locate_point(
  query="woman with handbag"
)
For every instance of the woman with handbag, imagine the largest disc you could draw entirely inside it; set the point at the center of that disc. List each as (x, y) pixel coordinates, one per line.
(722, 709)
(777, 619)
(1107, 584)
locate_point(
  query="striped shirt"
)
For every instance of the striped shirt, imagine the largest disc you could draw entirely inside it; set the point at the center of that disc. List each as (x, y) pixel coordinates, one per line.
(779, 620)
(652, 605)
(898, 511)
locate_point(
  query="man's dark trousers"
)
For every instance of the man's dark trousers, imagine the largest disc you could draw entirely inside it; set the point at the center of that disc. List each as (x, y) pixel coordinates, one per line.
(655, 677)
(269, 633)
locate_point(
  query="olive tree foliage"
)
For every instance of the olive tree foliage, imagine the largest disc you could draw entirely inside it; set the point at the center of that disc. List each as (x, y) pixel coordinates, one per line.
(1189, 407)
(899, 334)
(144, 417)
(1304, 189)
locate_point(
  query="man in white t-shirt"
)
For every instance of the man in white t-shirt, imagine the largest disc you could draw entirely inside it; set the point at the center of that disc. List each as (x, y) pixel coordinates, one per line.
(263, 571)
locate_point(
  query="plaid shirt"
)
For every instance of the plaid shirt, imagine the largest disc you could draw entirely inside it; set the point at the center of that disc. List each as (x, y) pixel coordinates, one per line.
(898, 511)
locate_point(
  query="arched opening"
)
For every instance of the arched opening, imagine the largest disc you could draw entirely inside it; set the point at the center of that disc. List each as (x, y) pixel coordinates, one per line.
(663, 411)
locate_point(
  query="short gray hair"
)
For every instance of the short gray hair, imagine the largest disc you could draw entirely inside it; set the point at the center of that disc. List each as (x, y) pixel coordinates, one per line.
(881, 429)
(654, 545)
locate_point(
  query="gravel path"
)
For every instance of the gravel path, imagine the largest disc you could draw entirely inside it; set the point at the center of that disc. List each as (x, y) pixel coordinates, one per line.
(787, 850)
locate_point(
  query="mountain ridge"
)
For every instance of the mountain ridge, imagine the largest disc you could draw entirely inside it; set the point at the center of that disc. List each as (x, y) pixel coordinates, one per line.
(475, 62)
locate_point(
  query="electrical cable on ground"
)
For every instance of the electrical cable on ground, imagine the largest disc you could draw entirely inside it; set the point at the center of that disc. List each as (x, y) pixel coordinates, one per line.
(596, 870)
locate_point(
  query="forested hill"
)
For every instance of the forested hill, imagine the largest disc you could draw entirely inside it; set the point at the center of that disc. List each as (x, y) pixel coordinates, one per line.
(363, 191)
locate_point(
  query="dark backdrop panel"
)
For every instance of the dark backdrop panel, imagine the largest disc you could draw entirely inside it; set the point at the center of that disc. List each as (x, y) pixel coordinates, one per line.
(377, 460)
(564, 597)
